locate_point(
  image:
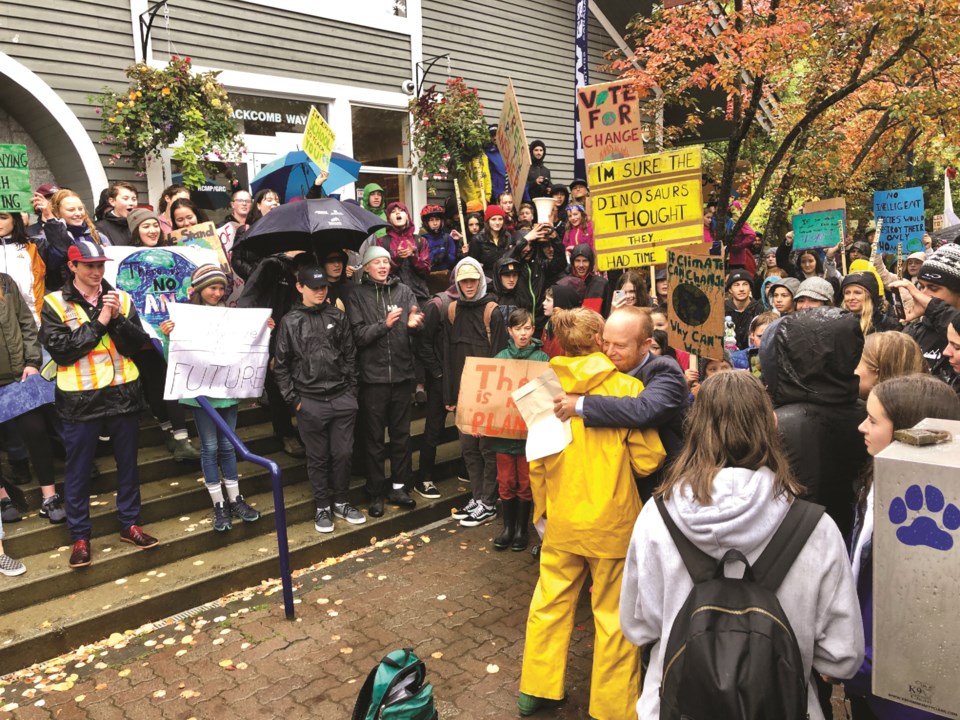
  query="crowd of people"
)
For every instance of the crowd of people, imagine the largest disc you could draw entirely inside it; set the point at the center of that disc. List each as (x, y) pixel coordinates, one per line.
(814, 360)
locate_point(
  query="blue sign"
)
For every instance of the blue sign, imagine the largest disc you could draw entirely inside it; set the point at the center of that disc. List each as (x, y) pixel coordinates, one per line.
(18, 398)
(903, 219)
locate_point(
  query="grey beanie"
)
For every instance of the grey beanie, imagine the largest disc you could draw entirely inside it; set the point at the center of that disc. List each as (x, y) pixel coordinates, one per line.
(791, 284)
(815, 288)
(373, 252)
(137, 216)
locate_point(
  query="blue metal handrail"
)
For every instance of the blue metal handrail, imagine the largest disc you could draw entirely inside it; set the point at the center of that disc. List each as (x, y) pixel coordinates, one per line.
(279, 509)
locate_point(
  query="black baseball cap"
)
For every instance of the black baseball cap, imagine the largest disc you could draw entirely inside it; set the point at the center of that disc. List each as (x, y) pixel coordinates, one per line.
(312, 277)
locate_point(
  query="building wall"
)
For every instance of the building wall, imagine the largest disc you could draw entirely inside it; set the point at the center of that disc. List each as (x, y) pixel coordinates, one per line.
(77, 48)
(531, 41)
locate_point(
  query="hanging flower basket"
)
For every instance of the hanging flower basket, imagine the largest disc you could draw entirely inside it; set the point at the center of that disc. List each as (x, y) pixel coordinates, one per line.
(173, 108)
(449, 130)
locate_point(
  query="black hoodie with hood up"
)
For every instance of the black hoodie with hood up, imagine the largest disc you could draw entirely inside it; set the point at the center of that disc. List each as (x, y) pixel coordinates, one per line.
(538, 169)
(596, 294)
(808, 361)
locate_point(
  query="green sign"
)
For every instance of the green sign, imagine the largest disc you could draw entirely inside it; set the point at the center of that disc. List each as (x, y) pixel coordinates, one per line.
(15, 191)
(817, 229)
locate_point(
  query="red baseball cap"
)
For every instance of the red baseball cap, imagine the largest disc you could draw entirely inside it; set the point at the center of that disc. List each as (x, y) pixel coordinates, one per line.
(86, 251)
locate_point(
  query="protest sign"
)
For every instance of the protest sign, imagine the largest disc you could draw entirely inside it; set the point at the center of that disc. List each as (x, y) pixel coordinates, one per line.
(512, 142)
(916, 589)
(903, 219)
(155, 278)
(318, 138)
(546, 433)
(15, 190)
(485, 405)
(939, 222)
(695, 310)
(644, 205)
(817, 229)
(204, 236)
(18, 398)
(610, 124)
(217, 352)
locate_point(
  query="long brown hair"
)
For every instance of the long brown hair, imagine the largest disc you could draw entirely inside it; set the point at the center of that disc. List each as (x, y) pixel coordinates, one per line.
(731, 425)
(909, 399)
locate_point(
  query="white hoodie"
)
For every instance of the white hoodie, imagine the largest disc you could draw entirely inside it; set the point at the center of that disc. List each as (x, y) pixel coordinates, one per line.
(818, 594)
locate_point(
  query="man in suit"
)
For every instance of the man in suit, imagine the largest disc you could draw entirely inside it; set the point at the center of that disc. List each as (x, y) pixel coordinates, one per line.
(663, 403)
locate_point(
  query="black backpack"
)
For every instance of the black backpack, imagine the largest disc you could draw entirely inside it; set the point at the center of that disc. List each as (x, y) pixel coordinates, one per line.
(732, 654)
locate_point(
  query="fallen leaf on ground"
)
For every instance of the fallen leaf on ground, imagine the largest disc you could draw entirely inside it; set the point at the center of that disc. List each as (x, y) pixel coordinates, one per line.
(346, 650)
(441, 597)
(437, 655)
(425, 538)
(160, 693)
(226, 663)
(491, 668)
(124, 672)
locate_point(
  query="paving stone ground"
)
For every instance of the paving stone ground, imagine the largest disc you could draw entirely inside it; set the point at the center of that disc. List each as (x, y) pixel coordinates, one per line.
(444, 592)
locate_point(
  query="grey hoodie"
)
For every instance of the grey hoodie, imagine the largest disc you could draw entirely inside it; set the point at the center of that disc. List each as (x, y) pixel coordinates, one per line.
(818, 594)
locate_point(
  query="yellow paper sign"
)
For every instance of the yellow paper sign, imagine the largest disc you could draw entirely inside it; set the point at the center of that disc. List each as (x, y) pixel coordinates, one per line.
(318, 139)
(644, 205)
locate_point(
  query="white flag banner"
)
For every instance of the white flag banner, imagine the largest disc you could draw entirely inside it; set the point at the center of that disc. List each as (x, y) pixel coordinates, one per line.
(217, 352)
(949, 216)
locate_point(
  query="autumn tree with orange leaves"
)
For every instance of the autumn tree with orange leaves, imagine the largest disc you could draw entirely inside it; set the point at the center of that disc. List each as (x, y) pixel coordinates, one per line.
(845, 88)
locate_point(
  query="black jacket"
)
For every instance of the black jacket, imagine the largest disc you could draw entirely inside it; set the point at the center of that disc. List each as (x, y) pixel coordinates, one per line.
(315, 356)
(930, 332)
(384, 355)
(539, 271)
(596, 287)
(808, 361)
(537, 168)
(66, 346)
(486, 253)
(742, 319)
(116, 229)
(272, 285)
(510, 300)
(467, 337)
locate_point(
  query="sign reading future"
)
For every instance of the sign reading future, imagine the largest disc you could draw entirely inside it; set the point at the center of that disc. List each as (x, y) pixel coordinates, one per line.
(644, 205)
(14, 179)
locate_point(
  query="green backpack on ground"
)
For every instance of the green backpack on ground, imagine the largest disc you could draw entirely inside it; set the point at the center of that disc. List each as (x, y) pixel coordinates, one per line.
(395, 690)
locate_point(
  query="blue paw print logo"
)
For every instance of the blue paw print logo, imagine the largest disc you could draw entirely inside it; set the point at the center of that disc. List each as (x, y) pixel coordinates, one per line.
(925, 530)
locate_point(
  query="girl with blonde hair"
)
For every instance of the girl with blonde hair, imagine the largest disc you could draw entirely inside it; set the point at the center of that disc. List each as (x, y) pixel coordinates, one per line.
(887, 355)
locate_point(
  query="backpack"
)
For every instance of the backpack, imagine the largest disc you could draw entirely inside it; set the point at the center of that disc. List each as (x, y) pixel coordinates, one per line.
(487, 314)
(732, 654)
(395, 690)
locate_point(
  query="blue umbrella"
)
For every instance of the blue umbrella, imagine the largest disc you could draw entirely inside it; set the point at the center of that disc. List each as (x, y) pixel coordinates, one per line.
(292, 175)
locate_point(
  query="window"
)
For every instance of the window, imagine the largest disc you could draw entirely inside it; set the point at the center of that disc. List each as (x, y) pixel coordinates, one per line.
(380, 143)
(390, 15)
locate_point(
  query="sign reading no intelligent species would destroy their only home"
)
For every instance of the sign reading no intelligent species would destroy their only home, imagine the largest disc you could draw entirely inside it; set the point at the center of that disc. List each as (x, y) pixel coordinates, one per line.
(644, 205)
(902, 212)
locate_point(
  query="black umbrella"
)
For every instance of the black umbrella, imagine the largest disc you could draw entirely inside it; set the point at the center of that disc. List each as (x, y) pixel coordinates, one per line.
(317, 225)
(945, 235)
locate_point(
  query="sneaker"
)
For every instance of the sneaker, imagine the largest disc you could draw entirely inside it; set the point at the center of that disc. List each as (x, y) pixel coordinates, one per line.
(293, 447)
(464, 511)
(52, 510)
(240, 510)
(323, 522)
(80, 557)
(479, 515)
(221, 517)
(420, 396)
(136, 536)
(182, 450)
(426, 489)
(348, 512)
(11, 567)
(9, 512)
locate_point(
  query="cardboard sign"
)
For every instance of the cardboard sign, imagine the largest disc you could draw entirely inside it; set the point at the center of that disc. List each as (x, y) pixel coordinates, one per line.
(817, 229)
(939, 222)
(155, 278)
(18, 398)
(15, 192)
(916, 587)
(485, 406)
(217, 352)
(644, 205)
(610, 123)
(318, 139)
(903, 219)
(203, 236)
(695, 301)
(512, 142)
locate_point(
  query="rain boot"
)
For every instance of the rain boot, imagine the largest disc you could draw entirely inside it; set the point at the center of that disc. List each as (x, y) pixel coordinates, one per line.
(520, 538)
(503, 540)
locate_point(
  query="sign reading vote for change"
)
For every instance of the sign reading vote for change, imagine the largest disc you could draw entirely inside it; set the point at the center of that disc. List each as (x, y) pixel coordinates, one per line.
(512, 142)
(695, 316)
(318, 138)
(217, 352)
(610, 121)
(485, 405)
(14, 179)
(817, 229)
(903, 219)
(644, 205)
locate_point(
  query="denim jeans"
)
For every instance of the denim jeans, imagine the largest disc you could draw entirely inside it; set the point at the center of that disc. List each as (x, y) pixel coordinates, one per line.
(215, 448)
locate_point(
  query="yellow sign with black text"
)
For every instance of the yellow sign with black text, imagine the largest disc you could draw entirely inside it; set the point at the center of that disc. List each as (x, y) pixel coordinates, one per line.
(318, 138)
(644, 205)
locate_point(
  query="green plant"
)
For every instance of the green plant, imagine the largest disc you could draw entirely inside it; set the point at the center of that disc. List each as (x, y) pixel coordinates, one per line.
(170, 107)
(449, 130)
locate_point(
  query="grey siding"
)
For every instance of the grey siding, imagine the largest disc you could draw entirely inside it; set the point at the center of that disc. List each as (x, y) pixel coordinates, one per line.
(530, 41)
(255, 38)
(76, 47)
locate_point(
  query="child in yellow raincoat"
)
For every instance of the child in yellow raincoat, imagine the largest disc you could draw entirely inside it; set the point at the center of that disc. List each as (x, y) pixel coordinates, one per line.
(589, 497)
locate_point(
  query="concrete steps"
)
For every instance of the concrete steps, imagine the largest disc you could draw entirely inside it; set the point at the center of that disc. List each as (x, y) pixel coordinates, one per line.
(53, 608)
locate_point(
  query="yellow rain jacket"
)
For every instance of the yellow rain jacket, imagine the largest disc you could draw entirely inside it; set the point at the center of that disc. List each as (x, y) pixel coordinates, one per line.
(587, 491)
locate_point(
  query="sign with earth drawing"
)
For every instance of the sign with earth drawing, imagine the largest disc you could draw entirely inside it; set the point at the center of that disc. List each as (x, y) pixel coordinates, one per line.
(644, 205)
(695, 301)
(610, 123)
